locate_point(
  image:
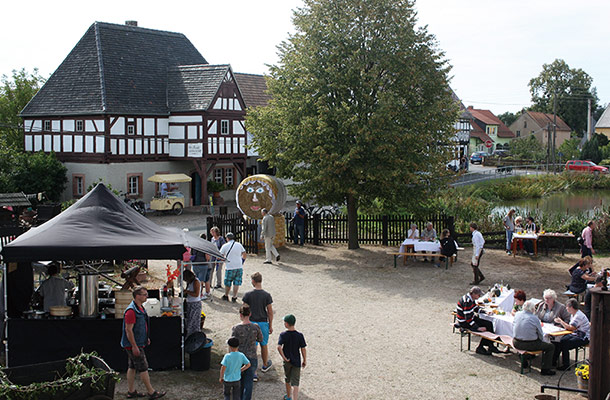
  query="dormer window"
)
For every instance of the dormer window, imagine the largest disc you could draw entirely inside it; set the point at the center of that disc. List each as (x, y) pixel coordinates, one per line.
(80, 125)
(47, 126)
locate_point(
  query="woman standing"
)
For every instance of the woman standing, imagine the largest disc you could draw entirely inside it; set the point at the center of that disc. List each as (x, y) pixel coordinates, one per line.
(218, 241)
(509, 226)
(248, 334)
(193, 303)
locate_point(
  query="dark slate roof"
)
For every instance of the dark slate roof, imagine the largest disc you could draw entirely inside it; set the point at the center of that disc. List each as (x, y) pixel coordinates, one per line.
(14, 199)
(253, 89)
(114, 69)
(193, 87)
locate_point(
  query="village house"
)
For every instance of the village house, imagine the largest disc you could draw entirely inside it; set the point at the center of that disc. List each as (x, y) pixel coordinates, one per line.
(487, 128)
(602, 126)
(129, 102)
(538, 124)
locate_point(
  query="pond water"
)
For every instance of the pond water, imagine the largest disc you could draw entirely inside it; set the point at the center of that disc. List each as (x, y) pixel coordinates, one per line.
(569, 202)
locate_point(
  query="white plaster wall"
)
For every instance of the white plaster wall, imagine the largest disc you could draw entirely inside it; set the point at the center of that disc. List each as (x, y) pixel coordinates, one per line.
(149, 126)
(119, 127)
(116, 176)
(184, 118)
(162, 126)
(69, 125)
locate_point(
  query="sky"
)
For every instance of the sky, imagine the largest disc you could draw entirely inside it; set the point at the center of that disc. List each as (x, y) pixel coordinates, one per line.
(494, 46)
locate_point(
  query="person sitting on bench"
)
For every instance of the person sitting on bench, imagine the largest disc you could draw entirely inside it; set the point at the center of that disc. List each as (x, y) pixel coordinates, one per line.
(467, 318)
(448, 247)
(528, 336)
(429, 235)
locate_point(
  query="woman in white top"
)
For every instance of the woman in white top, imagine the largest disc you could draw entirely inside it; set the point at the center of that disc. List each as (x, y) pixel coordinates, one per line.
(192, 312)
(580, 327)
(477, 252)
(413, 233)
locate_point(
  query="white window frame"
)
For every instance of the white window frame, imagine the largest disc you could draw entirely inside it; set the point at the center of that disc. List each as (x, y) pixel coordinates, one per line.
(229, 177)
(131, 129)
(219, 175)
(224, 127)
(80, 125)
(46, 126)
(134, 180)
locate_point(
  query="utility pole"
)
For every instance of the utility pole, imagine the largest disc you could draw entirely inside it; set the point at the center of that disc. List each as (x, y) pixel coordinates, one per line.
(548, 145)
(554, 124)
(589, 122)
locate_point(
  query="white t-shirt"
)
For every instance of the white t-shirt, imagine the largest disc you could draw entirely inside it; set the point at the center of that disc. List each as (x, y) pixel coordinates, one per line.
(234, 260)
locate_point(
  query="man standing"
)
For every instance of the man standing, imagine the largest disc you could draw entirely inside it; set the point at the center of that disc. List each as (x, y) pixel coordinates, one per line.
(466, 316)
(235, 255)
(268, 235)
(134, 339)
(299, 224)
(477, 252)
(509, 226)
(586, 248)
(527, 335)
(262, 314)
(53, 290)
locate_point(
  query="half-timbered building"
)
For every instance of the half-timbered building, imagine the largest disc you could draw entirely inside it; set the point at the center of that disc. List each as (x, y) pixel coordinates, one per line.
(129, 102)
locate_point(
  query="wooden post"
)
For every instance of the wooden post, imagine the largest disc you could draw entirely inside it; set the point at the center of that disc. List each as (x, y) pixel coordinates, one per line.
(384, 230)
(599, 348)
(316, 229)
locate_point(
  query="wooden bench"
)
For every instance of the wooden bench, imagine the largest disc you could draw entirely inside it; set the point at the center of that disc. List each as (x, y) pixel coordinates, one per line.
(451, 259)
(523, 355)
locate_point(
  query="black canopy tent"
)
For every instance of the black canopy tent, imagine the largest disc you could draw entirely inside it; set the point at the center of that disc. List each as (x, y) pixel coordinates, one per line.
(98, 226)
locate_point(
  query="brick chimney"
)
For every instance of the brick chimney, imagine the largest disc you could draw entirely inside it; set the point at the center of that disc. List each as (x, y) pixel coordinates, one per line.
(131, 23)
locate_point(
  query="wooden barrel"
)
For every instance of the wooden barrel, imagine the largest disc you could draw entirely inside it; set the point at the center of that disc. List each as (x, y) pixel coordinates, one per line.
(122, 299)
(260, 191)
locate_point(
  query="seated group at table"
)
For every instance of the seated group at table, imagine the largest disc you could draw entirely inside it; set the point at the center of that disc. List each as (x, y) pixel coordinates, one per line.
(527, 328)
(448, 246)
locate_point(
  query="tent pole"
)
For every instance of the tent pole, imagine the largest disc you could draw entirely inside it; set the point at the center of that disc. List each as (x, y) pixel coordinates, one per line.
(4, 288)
(181, 310)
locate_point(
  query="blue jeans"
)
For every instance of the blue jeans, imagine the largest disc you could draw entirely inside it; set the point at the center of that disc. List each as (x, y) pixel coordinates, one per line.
(509, 240)
(247, 379)
(299, 230)
(567, 343)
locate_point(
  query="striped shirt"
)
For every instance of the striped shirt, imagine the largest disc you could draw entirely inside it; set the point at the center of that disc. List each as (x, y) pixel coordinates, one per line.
(466, 310)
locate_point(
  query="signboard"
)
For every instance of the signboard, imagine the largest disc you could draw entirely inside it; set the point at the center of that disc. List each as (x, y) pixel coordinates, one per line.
(195, 150)
(488, 144)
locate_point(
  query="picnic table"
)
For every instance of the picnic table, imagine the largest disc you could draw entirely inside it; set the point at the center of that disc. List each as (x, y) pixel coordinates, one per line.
(504, 302)
(547, 236)
(503, 325)
(525, 236)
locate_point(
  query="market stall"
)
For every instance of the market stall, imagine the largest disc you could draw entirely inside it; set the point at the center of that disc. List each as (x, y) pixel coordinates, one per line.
(98, 226)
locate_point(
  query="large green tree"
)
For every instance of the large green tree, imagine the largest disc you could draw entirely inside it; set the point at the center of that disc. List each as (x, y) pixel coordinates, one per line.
(360, 109)
(15, 93)
(571, 87)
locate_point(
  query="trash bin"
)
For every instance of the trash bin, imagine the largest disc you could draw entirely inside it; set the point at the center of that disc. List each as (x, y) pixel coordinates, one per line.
(199, 348)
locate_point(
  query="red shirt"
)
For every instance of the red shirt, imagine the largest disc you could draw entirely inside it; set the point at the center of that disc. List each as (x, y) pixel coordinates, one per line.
(130, 318)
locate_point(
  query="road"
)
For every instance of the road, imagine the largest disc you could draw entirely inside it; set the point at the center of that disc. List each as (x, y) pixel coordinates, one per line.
(479, 173)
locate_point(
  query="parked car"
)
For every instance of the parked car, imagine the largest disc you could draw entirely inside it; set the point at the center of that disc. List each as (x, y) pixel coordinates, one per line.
(453, 165)
(477, 157)
(585, 166)
(501, 153)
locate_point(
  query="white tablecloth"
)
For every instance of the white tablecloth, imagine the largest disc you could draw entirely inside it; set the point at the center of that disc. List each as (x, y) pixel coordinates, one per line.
(420, 245)
(503, 325)
(525, 235)
(504, 302)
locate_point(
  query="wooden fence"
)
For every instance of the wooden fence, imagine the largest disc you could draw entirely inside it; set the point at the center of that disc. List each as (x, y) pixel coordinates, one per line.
(8, 234)
(386, 230)
(245, 231)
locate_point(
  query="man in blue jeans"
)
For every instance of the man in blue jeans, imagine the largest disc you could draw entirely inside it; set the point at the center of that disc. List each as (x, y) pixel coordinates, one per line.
(260, 302)
(299, 223)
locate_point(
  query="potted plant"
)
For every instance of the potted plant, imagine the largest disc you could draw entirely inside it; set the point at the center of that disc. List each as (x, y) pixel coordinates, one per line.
(582, 375)
(215, 187)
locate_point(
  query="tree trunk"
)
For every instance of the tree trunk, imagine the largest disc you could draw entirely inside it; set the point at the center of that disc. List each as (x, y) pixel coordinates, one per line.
(352, 222)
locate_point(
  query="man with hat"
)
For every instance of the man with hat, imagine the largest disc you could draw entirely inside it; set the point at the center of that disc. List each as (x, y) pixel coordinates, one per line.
(235, 255)
(299, 223)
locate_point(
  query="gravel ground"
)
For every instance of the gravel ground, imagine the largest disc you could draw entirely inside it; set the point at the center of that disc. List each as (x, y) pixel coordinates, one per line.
(375, 332)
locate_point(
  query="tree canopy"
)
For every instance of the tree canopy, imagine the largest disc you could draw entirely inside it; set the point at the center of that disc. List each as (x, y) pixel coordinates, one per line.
(360, 109)
(15, 93)
(508, 117)
(572, 88)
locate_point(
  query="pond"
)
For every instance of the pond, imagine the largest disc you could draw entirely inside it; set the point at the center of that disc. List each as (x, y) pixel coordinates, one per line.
(571, 202)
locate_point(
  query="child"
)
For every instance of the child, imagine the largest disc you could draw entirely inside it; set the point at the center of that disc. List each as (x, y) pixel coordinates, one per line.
(289, 344)
(233, 364)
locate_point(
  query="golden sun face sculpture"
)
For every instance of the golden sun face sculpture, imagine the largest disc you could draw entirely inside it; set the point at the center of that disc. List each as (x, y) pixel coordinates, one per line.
(260, 191)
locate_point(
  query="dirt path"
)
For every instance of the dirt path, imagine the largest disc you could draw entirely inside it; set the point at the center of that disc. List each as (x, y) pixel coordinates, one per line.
(375, 332)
